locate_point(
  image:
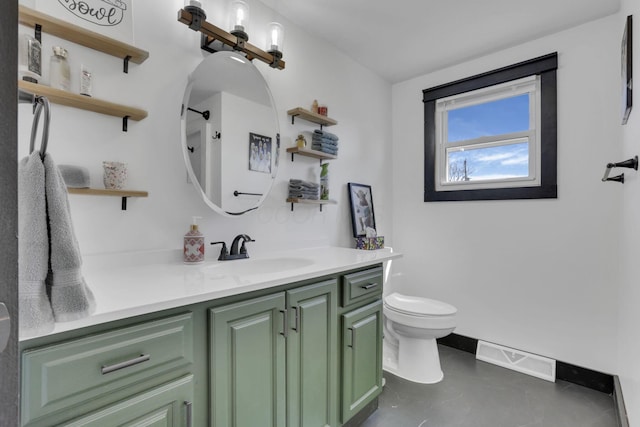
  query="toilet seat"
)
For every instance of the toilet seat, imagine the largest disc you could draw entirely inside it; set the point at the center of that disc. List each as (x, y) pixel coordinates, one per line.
(418, 306)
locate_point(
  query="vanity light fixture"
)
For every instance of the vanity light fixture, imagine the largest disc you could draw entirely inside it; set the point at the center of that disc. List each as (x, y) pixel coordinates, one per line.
(275, 39)
(238, 20)
(195, 8)
(214, 39)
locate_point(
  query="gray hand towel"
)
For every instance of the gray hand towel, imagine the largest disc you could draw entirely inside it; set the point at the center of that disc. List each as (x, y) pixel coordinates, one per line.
(35, 316)
(71, 298)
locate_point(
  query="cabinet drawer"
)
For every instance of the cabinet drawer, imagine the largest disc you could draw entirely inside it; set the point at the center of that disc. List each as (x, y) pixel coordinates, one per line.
(167, 405)
(362, 285)
(63, 375)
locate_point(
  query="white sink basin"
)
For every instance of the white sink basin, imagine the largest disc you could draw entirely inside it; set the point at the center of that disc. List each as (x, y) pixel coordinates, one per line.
(249, 266)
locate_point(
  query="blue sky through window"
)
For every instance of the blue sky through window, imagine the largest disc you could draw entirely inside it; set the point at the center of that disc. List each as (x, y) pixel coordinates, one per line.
(491, 118)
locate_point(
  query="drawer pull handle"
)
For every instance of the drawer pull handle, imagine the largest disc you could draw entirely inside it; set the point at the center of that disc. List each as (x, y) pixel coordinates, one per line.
(189, 406)
(353, 338)
(297, 321)
(116, 367)
(369, 286)
(285, 323)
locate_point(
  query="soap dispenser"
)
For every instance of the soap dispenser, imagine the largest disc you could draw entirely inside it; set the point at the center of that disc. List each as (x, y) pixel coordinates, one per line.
(194, 244)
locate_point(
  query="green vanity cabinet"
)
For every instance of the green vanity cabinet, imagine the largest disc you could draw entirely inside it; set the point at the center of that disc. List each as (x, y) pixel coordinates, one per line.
(312, 383)
(247, 363)
(274, 358)
(300, 354)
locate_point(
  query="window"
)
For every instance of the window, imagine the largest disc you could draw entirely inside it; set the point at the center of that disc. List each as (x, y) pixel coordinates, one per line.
(493, 136)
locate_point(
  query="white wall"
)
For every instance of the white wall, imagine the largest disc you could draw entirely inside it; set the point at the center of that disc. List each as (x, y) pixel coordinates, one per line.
(358, 99)
(629, 299)
(536, 275)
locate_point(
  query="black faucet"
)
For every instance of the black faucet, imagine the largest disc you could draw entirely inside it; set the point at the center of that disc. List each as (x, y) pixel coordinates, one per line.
(235, 252)
(224, 254)
(242, 252)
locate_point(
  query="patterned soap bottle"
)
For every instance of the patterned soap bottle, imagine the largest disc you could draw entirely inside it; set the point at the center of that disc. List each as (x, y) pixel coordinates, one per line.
(194, 244)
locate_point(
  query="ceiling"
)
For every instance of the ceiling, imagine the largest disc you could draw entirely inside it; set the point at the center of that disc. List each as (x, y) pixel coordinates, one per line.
(401, 39)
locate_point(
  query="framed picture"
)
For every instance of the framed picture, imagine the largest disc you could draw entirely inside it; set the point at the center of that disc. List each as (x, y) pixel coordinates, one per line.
(111, 18)
(626, 81)
(361, 202)
(259, 153)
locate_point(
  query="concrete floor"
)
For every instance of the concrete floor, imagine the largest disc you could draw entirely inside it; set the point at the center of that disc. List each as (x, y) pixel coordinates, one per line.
(478, 394)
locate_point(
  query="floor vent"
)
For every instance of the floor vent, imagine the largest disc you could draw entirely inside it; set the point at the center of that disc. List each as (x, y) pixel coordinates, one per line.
(527, 363)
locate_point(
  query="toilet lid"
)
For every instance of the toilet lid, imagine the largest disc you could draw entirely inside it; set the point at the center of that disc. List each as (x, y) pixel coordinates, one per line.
(418, 306)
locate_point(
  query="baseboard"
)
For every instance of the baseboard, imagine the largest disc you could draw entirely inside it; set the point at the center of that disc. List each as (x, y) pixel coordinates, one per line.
(618, 401)
(460, 342)
(564, 371)
(585, 377)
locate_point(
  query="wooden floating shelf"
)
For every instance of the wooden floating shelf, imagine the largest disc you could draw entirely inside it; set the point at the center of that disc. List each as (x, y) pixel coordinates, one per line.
(310, 117)
(108, 192)
(293, 200)
(89, 103)
(310, 153)
(81, 36)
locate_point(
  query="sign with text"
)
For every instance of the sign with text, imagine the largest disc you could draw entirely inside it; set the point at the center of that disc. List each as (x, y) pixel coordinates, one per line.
(111, 18)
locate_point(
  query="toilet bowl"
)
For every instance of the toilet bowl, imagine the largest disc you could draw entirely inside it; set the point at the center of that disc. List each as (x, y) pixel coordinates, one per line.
(414, 324)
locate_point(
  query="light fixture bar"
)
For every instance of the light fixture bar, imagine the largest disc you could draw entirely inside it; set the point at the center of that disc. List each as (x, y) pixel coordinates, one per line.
(214, 33)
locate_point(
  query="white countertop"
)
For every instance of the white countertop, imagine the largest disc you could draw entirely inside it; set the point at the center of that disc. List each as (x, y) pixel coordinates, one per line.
(133, 284)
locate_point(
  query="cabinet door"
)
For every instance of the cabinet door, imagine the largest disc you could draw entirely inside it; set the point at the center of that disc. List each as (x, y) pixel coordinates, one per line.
(361, 358)
(312, 355)
(247, 363)
(168, 405)
(99, 369)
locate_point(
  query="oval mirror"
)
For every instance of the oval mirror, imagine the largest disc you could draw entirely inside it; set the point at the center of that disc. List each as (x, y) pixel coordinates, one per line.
(230, 133)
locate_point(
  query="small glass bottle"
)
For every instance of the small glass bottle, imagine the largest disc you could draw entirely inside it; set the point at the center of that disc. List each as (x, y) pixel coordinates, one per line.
(59, 71)
(30, 59)
(85, 81)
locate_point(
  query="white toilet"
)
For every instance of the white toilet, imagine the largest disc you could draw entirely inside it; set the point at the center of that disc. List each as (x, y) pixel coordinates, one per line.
(414, 323)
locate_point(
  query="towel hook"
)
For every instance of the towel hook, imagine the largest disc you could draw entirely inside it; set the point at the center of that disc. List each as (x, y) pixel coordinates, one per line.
(629, 163)
(42, 104)
(25, 97)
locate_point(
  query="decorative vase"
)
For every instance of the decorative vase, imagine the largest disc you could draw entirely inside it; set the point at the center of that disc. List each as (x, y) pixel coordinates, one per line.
(115, 175)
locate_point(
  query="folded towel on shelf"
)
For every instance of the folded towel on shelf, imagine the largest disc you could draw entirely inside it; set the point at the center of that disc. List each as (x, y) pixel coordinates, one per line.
(36, 316)
(75, 176)
(325, 144)
(301, 189)
(324, 136)
(304, 190)
(324, 133)
(295, 195)
(71, 298)
(324, 141)
(302, 196)
(302, 183)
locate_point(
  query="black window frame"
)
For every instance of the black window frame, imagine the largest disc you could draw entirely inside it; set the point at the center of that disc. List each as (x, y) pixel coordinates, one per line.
(545, 67)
